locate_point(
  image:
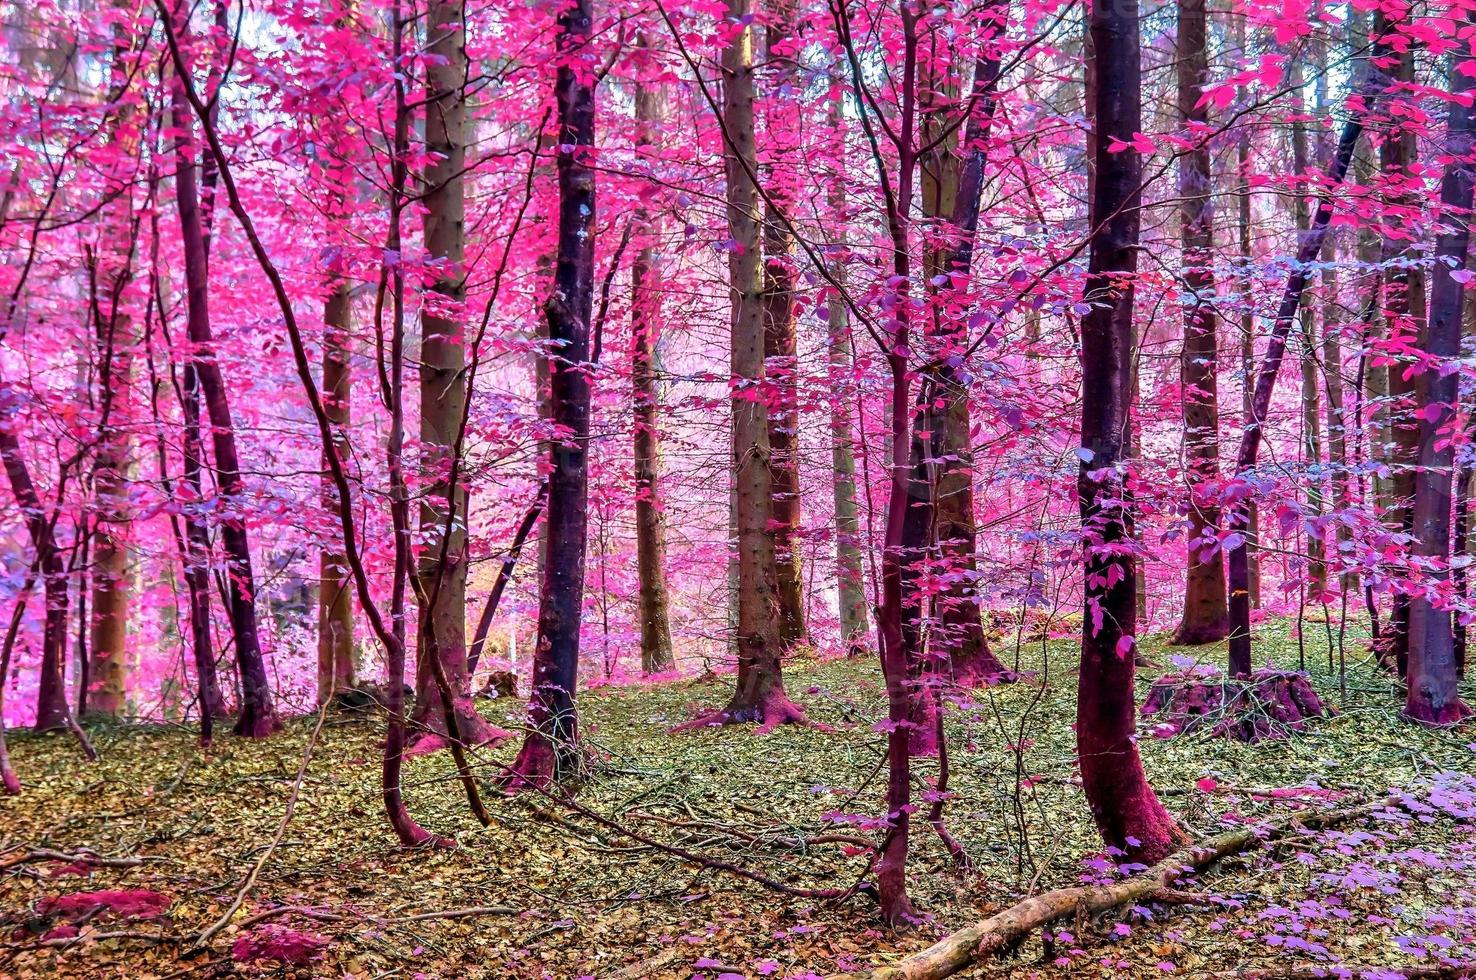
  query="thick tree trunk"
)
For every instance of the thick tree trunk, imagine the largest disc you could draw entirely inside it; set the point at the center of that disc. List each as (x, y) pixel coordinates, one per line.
(442, 566)
(1252, 529)
(106, 671)
(1369, 87)
(1433, 697)
(1205, 619)
(645, 315)
(953, 190)
(256, 716)
(1127, 812)
(335, 596)
(759, 695)
(780, 352)
(551, 750)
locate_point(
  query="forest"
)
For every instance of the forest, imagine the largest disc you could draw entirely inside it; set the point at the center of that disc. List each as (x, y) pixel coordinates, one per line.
(737, 489)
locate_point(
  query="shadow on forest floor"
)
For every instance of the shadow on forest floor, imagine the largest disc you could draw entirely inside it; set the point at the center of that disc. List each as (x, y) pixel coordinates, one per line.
(581, 902)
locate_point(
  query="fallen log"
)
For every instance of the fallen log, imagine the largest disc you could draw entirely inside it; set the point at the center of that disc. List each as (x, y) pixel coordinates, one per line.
(1008, 928)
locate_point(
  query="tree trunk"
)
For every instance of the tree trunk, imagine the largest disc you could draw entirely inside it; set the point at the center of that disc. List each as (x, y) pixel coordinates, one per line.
(953, 190)
(1252, 529)
(551, 749)
(1205, 619)
(1368, 90)
(1311, 388)
(780, 353)
(335, 596)
(105, 675)
(759, 695)
(1404, 309)
(1127, 812)
(256, 716)
(645, 315)
(441, 571)
(849, 575)
(1433, 694)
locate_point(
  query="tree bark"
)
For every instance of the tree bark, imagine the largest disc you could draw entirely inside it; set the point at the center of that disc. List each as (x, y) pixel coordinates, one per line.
(1311, 387)
(759, 695)
(1127, 812)
(256, 717)
(952, 190)
(551, 749)
(849, 574)
(335, 596)
(1433, 696)
(1404, 310)
(106, 674)
(645, 314)
(442, 566)
(1205, 619)
(780, 351)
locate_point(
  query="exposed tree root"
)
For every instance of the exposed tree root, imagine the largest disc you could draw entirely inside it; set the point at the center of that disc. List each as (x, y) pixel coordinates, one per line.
(1008, 928)
(1267, 704)
(769, 713)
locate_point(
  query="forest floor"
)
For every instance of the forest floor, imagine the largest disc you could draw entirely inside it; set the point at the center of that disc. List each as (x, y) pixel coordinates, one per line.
(546, 893)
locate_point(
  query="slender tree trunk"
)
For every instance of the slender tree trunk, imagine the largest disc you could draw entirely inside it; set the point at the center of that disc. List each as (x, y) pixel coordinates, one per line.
(1404, 310)
(256, 717)
(551, 749)
(645, 314)
(1252, 528)
(1369, 87)
(1206, 618)
(1311, 387)
(849, 575)
(335, 595)
(441, 573)
(1127, 812)
(1433, 696)
(780, 352)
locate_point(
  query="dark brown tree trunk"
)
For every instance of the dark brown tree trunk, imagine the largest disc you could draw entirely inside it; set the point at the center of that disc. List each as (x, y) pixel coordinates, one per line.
(256, 716)
(1252, 530)
(1404, 311)
(953, 190)
(645, 315)
(1369, 88)
(335, 596)
(551, 750)
(1311, 387)
(780, 352)
(1433, 694)
(1206, 618)
(1127, 812)
(442, 566)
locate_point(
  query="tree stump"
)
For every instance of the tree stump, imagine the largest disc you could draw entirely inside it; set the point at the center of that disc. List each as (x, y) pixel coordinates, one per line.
(1267, 704)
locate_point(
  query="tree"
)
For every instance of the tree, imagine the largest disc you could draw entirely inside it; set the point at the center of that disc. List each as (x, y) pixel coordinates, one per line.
(759, 695)
(335, 598)
(645, 330)
(105, 689)
(551, 749)
(1433, 697)
(256, 717)
(780, 354)
(1126, 810)
(1205, 618)
(849, 575)
(442, 568)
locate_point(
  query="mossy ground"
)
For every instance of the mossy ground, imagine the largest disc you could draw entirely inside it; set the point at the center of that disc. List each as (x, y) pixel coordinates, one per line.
(588, 902)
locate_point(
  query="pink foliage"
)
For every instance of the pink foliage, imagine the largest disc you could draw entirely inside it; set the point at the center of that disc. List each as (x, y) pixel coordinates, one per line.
(290, 947)
(136, 903)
